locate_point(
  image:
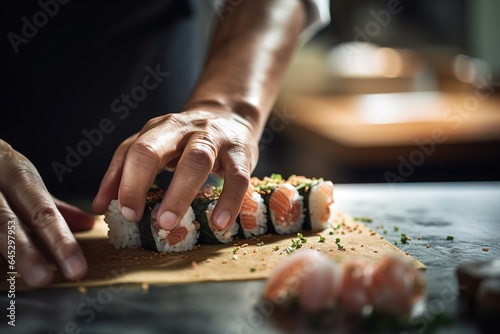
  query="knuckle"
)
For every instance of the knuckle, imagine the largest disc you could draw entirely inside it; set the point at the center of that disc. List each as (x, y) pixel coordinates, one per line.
(63, 246)
(177, 120)
(203, 153)
(43, 215)
(5, 216)
(152, 122)
(240, 175)
(146, 149)
(5, 148)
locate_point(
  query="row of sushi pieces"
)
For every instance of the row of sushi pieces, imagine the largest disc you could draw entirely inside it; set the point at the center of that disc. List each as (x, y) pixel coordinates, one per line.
(271, 205)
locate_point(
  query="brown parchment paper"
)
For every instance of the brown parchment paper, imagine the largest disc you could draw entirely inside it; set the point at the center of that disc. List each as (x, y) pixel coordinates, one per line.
(251, 259)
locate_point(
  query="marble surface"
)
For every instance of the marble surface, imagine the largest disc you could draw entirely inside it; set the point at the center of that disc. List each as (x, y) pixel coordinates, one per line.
(470, 212)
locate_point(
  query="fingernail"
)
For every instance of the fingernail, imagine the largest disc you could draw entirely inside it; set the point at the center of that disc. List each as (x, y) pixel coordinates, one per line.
(129, 214)
(74, 266)
(38, 276)
(222, 220)
(168, 220)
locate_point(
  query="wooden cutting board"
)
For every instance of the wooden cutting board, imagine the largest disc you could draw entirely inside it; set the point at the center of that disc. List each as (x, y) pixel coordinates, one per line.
(240, 260)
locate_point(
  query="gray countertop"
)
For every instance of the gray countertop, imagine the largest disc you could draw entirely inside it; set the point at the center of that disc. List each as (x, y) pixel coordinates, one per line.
(470, 212)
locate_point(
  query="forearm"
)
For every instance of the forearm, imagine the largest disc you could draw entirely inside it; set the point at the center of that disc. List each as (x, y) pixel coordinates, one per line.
(251, 49)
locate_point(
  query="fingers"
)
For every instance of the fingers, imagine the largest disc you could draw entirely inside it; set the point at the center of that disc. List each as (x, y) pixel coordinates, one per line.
(77, 219)
(19, 250)
(190, 143)
(108, 190)
(195, 164)
(237, 168)
(146, 156)
(34, 206)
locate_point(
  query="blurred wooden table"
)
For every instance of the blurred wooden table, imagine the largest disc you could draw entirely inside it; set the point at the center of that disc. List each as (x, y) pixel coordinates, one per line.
(357, 138)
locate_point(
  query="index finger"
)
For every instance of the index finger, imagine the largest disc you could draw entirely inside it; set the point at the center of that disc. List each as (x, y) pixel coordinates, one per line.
(195, 164)
(148, 155)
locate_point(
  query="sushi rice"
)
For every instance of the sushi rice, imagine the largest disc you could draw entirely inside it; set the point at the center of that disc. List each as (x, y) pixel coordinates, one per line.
(126, 234)
(271, 205)
(180, 239)
(223, 236)
(122, 233)
(320, 205)
(252, 217)
(286, 209)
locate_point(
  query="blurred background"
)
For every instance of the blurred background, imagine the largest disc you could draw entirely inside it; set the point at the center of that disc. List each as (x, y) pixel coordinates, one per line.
(392, 91)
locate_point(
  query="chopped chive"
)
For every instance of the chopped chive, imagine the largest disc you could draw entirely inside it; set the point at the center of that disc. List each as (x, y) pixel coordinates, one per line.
(252, 270)
(276, 248)
(322, 239)
(330, 233)
(396, 228)
(363, 219)
(450, 237)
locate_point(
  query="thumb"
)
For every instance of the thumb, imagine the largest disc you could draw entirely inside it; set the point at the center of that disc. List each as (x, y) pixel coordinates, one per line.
(77, 219)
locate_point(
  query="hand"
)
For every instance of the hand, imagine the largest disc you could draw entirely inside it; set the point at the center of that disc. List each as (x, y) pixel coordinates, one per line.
(195, 143)
(40, 223)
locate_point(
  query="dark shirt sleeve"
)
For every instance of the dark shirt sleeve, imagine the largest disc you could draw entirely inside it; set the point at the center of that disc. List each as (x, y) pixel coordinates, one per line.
(81, 76)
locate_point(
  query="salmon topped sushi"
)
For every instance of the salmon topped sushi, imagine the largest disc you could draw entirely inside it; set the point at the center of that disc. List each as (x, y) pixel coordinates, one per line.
(252, 216)
(318, 200)
(270, 205)
(285, 209)
(180, 239)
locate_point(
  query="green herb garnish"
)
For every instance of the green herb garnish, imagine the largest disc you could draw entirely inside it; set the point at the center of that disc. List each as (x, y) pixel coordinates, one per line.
(450, 237)
(322, 239)
(296, 244)
(252, 270)
(330, 233)
(276, 248)
(363, 219)
(396, 228)
(404, 238)
(339, 246)
(276, 177)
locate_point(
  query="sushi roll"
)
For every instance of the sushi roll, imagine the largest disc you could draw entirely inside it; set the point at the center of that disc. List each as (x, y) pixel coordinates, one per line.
(318, 200)
(180, 239)
(284, 204)
(286, 209)
(270, 205)
(147, 233)
(252, 217)
(122, 233)
(203, 205)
